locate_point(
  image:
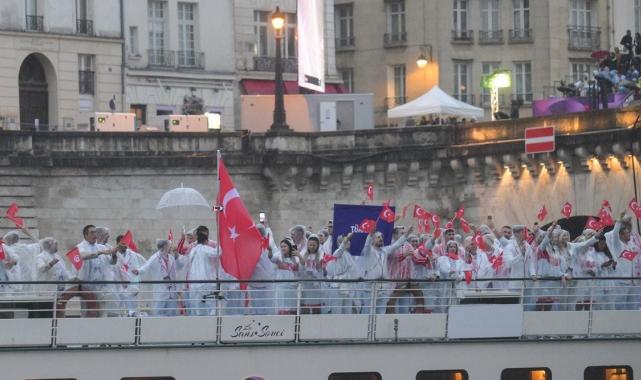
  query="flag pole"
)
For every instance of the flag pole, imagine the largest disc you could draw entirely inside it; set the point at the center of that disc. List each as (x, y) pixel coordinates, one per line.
(218, 157)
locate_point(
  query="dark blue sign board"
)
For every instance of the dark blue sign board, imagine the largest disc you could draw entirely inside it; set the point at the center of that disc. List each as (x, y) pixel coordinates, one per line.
(348, 217)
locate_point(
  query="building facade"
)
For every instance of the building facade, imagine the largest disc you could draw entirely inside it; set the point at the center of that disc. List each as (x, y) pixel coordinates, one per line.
(61, 61)
(180, 59)
(539, 42)
(255, 46)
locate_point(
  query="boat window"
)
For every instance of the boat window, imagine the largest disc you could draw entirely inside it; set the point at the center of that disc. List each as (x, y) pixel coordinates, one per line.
(149, 378)
(355, 376)
(526, 374)
(66, 378)
(442, 375)
(608, 373)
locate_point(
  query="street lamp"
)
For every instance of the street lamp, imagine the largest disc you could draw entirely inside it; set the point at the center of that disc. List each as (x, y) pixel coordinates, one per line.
(498, 79)
(280, 119)
(423, 59)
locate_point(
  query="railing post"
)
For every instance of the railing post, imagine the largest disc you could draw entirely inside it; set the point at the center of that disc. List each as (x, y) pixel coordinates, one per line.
(372, 310)
(299, 296)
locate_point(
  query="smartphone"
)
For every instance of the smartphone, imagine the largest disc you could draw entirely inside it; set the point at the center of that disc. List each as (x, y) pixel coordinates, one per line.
(261, 217)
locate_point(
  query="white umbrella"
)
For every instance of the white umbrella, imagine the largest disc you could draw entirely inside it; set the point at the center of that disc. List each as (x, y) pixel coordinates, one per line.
(182, 197)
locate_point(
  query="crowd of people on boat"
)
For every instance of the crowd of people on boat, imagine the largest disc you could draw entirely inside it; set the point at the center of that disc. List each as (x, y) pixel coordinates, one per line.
(426, 270)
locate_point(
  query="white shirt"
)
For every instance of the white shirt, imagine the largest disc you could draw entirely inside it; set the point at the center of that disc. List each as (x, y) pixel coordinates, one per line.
(374, 260)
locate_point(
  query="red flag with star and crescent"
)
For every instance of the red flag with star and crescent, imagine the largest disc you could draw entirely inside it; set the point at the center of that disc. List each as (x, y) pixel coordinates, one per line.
(12, 215)
(2, 255)
(240, 240)
(74, 257)
(387, 214)
(566, 210)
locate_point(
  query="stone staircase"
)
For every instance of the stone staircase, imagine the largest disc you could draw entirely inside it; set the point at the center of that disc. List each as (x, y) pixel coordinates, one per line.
(17, 188)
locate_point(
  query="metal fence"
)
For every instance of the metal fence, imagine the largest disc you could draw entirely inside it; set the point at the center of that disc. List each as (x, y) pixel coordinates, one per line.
(296, 297)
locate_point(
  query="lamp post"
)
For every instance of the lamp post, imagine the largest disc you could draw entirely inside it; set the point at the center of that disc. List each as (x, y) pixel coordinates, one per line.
(498, 79)
(280, 120)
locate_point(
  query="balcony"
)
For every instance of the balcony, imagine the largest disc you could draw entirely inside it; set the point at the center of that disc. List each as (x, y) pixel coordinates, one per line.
(191, 59)
(86, 82)
(345, 43)
(521, 36)
(491, 37)
(395, 39)
(394, 101)
(462, 37)
(465, 98)
(580, 38)
(161, 58)
(34, 23)
(290, 65)
(84, 27)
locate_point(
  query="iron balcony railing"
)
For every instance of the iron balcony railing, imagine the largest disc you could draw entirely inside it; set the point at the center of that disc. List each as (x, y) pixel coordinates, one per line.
(345, 43)
(521, 36)
(394, 101)
(290, 65)
(84, 27)
(460, 36)
(161, 58)
(582, 38)
(34, 23)
(191, 59)
(86, 82)
(395, 39)
(489, 37)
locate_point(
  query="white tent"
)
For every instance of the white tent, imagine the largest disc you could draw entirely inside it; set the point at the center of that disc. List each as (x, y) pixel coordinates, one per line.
(436, 101)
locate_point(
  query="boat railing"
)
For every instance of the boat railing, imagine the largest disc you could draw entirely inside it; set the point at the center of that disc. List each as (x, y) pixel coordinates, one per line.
(68, 314)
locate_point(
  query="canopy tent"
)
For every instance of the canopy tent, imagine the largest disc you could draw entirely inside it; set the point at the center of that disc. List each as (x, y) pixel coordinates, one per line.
(435, 101)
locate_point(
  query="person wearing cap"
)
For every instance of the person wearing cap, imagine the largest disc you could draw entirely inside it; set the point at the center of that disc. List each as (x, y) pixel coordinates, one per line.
(626, 252)
(287, 268)
(400, 264)
(261, 294)
(374, 267)
(439, 246)
(50, 267)
(450, 267)
(341, 267)
(162, 266)
(128, 260)
(519, 257)
(604, 288)
(311, 269)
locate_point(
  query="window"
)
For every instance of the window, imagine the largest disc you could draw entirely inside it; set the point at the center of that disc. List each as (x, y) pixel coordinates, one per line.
(140, 110)
(344, 15)
(460, 17)
(637, 16)
(395, 21)
(86, 69)
(396, 89)
(487, 68)
(608, 373)
(462, 81)
(149, 378)
(348, 79)
(264, 34)
(355, 376)
(581, 13)
(157, 24)
(33, 22)
(490, 15)
(442, 375)
(81, 9)
(31, 7)
(523, 81)
(521, 14)
(133, 40)
(580, 70)
(526, 374)
(186, 35)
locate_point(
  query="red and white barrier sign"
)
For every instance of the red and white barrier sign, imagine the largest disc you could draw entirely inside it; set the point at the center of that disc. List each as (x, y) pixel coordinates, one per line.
(539, 140)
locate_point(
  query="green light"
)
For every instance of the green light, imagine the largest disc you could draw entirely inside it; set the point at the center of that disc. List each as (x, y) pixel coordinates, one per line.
(500, 80)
